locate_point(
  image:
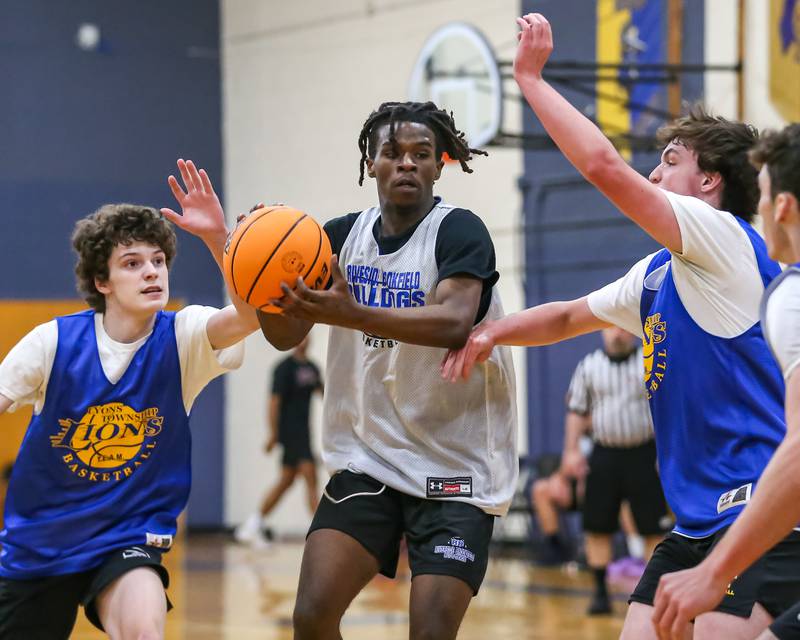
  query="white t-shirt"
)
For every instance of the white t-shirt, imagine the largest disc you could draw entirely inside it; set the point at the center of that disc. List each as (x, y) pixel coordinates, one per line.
(25, 371)
(716, 275)
(782, 323)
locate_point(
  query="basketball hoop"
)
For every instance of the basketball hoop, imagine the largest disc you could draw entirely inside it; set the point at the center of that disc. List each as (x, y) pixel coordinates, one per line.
(457, 70)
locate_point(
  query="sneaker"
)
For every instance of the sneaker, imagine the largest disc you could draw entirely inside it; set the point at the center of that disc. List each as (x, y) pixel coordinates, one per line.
(249, 532)
(552, 554)
(600, 605)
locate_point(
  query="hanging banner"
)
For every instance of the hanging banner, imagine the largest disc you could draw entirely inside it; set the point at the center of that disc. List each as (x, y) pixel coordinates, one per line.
(784, 67)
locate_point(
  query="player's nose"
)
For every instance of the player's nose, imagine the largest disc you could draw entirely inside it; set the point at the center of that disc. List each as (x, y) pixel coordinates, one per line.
(407, 161)
(655, 175)
(150, 271)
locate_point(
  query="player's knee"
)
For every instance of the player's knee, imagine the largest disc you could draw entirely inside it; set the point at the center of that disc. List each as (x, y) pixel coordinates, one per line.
(434, 628)
(142, 631)
(312, 618)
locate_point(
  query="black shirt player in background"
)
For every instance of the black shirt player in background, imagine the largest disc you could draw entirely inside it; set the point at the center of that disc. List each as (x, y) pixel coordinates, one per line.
(294, 380)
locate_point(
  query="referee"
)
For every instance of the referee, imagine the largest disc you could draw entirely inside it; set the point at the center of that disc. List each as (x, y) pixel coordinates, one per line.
(607, 399)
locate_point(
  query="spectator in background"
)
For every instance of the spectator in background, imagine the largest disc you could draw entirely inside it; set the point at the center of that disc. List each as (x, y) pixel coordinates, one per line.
(294, 381)
(607, 399)
(552, 493)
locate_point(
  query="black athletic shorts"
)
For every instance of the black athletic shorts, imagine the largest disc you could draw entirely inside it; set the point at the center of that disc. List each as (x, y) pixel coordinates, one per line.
(295, 451)
(46, 608)
(444, 537)
(787, 626)
(773, 580)
(617, 474)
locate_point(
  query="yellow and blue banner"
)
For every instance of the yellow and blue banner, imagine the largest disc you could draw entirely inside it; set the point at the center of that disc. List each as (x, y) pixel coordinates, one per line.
(629, 33)
(784, 58)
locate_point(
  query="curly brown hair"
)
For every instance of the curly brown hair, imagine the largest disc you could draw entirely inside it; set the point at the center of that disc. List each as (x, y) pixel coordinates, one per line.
(96, 235)
(721, 146)
(780, 151)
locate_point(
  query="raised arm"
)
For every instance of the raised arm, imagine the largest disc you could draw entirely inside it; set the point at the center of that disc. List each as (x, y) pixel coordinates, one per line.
(202, 215)
(537, 326)
(584, 145)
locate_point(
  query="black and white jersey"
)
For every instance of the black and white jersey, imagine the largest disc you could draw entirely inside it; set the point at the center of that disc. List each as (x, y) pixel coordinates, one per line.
(780, 319)
(387, 411)
(612, 392)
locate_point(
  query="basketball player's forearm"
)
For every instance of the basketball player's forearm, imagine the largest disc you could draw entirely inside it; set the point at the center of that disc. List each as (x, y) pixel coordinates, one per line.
(283, 332)
(578, 138)
(434, 325)
(593, 155)
(230, 325)
(546, 324)
(215, 242)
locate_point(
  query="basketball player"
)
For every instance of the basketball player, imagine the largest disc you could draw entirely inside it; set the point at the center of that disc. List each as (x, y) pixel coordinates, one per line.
(103, 470)
(715, 392)
(410, 455)
(775, 508)
(294, 380)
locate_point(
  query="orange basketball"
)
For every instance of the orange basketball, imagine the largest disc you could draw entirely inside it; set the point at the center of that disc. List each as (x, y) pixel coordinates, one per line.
(273, 245)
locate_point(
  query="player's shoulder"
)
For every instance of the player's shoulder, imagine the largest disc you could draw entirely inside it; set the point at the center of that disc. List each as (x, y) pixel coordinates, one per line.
(342, 224)
(460, 223)
(706, 216)
(191, 320)
(192, 312)
(45, 332)
(784, 291)
(693, 204)
(453, 214)
(339, 228)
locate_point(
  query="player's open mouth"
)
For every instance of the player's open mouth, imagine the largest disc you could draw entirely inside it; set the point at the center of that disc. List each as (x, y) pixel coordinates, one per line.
(152, 290)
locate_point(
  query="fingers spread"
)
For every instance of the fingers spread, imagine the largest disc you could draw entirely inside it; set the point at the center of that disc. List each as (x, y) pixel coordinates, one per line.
(206, 181)
(176, 189)
(187, 179)
(194, 176)
(172, 216)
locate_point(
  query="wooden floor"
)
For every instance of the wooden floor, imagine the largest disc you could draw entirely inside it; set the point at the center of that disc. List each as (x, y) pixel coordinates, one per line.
(225, 591)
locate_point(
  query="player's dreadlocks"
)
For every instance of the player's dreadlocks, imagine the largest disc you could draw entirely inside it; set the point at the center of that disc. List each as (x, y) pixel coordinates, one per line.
(448, 138)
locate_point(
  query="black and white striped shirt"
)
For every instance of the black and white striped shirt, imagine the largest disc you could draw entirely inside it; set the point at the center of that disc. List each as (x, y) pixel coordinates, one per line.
(613, 393)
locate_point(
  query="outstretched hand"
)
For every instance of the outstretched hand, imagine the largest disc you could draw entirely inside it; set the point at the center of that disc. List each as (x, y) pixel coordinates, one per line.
(459, 364)
(681, 597)
(335, 306)
(201, 212)
(535, 45)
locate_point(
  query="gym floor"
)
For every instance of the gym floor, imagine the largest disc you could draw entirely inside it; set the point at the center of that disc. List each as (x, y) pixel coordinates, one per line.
(223, 591)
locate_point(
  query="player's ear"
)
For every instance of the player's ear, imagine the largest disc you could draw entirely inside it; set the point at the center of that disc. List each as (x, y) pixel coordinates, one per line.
(439, 167)
(102, 286)
(786, 208)
(370, 168)
(712, 180)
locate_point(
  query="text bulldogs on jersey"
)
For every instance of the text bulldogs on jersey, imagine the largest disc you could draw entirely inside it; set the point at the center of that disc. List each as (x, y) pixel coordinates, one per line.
(373, 287)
